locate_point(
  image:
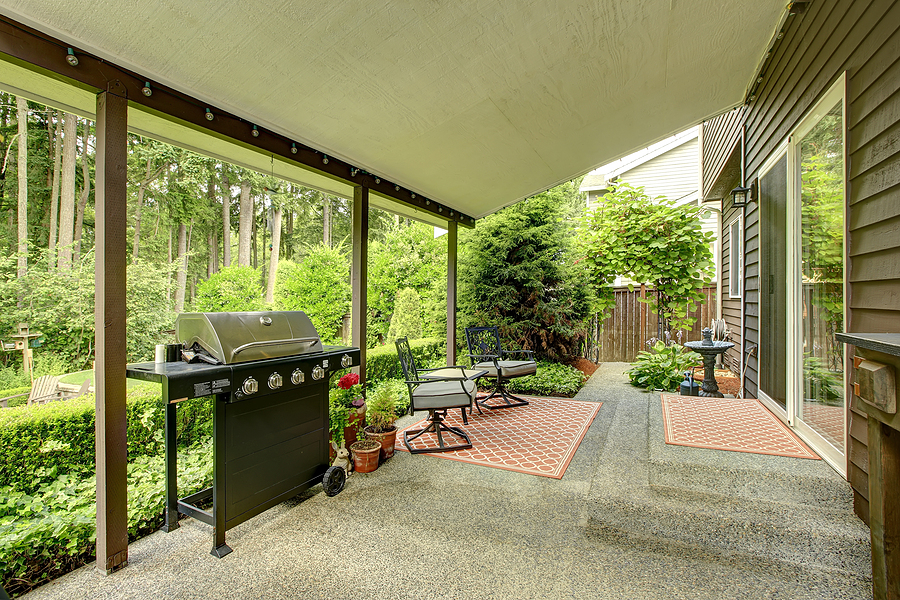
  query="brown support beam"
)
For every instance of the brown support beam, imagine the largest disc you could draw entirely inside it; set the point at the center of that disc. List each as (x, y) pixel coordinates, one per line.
(359, 274)
(452, 232)
(109, 316)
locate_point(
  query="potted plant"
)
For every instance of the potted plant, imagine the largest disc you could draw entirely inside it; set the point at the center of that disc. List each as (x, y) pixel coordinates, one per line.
(347, 411)
(381, 413)
(365, 455)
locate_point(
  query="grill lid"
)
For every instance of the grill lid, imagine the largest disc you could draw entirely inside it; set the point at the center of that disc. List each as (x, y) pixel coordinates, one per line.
(236, 337)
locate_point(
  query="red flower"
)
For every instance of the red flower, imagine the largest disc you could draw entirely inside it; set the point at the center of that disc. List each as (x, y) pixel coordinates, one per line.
(348, 381)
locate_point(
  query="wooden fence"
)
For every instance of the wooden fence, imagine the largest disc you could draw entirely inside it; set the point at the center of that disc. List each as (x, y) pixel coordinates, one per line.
(631, 323)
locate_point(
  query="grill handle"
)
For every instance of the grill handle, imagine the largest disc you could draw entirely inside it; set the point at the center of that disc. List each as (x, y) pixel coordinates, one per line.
(241, 348)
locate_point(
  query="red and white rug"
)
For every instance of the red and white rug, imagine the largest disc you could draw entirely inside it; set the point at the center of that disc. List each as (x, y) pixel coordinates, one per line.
(729, 424)
(538, 439)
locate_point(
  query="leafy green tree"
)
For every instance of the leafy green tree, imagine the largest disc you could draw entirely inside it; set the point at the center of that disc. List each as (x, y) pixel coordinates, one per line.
(407, 318)
(231, 289)
(653, 241)
(517, 272)
(319, 286)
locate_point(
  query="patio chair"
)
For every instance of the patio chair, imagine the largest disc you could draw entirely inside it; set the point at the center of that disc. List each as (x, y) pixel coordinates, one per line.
(486, 353)
(46, 389)
(437, 396)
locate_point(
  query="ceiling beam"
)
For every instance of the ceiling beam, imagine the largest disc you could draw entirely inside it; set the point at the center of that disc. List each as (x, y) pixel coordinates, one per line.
(49, 56)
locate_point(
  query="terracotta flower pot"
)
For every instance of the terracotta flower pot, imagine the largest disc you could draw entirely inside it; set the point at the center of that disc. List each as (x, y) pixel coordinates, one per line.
(365, 455)
(388, 440)
(357, 424)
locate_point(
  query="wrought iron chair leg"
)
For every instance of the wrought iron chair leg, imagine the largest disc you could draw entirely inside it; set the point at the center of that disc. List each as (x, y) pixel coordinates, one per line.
(436, 425)
(501, 392)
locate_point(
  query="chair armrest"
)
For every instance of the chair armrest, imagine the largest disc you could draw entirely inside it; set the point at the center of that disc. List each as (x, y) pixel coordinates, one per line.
(3, 400)
(492, 357)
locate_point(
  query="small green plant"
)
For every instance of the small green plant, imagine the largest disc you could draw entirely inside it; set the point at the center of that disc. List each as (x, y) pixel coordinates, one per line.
(663, 367)
(381, 410)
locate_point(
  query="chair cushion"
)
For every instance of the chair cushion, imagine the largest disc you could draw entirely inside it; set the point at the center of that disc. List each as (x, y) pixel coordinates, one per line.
(509, 368)
(443, 394)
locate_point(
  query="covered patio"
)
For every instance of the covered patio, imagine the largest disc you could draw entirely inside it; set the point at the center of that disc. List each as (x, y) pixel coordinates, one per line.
(632, 518)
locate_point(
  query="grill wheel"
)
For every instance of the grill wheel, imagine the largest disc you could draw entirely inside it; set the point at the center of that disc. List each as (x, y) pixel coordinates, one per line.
(333, 481)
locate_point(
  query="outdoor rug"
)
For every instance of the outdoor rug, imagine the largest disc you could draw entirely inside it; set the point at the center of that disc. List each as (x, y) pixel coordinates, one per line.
(537, 439)
(728, 424)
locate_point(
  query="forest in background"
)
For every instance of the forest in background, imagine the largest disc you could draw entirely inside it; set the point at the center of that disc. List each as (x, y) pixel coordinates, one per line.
(207, 235)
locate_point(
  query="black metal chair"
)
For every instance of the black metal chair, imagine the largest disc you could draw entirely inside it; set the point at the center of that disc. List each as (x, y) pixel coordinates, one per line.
(437, 395)
(486, 354)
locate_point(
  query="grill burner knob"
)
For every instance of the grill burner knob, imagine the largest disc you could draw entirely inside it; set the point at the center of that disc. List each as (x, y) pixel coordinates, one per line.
(274, 381)
(297, 377)
(318, 372)
(250, 386)
(346, 361)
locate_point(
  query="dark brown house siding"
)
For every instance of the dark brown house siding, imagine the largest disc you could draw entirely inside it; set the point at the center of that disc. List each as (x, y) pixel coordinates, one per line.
(861, 38)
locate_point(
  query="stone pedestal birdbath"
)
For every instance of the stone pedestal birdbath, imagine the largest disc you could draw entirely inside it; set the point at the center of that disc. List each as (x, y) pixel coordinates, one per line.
(709, 349)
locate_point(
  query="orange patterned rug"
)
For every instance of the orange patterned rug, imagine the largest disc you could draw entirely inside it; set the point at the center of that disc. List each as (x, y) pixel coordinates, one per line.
(728, 424)
(538, 439)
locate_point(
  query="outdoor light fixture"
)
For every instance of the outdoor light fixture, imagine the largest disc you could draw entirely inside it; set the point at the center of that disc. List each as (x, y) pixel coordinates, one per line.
(325, 159)
(740, 196)
(377, 180)
(146, 89)
(396, 188)
(293, 148)
(428, 203)
(255, 132)
(209, 115)
(71, 58)
(353, 172)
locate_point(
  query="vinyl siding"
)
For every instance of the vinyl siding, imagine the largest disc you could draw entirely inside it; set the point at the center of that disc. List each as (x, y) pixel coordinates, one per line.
(863, 39)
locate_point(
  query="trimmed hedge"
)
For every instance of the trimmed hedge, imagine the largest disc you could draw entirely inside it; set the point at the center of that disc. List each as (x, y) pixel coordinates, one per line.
(382, 362)
(42, 441)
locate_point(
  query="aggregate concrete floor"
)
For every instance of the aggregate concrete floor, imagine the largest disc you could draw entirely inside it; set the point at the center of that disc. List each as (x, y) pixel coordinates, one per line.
(424, 527)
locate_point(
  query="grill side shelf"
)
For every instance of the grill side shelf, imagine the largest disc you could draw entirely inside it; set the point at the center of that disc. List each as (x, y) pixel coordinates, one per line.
(185, 380)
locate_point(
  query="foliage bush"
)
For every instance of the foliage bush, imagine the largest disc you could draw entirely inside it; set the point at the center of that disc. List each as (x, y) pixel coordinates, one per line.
(517, 271)
(52, 530)
(60, 435)
(25, 389)
(663, 367)
(651, 241)
(551, 379)
(407, 319)
(382, 362)
(319, 286)
(231, 289)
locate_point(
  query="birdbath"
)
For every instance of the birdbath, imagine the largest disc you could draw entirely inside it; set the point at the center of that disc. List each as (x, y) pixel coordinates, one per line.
(709, 349)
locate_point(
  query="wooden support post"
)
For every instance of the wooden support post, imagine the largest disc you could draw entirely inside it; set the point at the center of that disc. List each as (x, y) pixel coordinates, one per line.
(359, 274)
(884, 509)
(109, 316)
(451, 292)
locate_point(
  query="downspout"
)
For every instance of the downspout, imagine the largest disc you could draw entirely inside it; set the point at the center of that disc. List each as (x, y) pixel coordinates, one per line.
(743, 261)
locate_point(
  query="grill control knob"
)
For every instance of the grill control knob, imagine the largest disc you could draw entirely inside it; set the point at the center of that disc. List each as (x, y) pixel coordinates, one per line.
(346, 361)
(274, 381)
(297, 377)
(250, 386)
(318, 372)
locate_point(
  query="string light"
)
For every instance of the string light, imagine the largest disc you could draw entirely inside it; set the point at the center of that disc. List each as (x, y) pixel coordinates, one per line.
(325, 159)
(209, 115)
(146, 89)
(293, 148)
(71, 58)
(255, 132)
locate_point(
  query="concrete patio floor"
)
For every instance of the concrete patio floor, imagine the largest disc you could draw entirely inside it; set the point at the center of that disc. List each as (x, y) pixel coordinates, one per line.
(632, 518)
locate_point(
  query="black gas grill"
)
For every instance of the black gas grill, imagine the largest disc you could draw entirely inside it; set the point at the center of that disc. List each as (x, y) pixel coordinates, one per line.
(269, 374)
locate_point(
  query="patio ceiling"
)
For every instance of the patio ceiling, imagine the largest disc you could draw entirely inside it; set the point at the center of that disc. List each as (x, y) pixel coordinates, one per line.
(476, 104)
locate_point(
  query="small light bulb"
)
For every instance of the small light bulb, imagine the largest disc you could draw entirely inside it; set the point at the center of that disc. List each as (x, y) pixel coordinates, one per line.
(396, 188)
(451, 213)
(209, 115)
(440, 209)
(293, 148)
(71, 58)
(325, 159)
(428, 203)
(377, 180)
(413, 195)
(255, 132)
(146, 89)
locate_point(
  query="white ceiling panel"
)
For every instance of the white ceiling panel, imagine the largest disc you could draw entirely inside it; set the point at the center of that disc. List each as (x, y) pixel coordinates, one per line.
(475, 103)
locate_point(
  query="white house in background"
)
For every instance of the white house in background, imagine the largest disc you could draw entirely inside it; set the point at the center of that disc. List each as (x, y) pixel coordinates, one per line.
(670, 168)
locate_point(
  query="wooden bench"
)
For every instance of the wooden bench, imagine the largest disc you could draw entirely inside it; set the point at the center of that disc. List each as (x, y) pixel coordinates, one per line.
(46, 389)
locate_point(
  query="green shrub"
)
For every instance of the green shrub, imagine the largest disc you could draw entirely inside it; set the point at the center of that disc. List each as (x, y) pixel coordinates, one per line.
(231, 289)
(58, 437)
(662, 368)
(551, 379)
(397, 390)
(21, 400)
(382, 362)
(52, 531)
(319, 286)
(407, 319)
